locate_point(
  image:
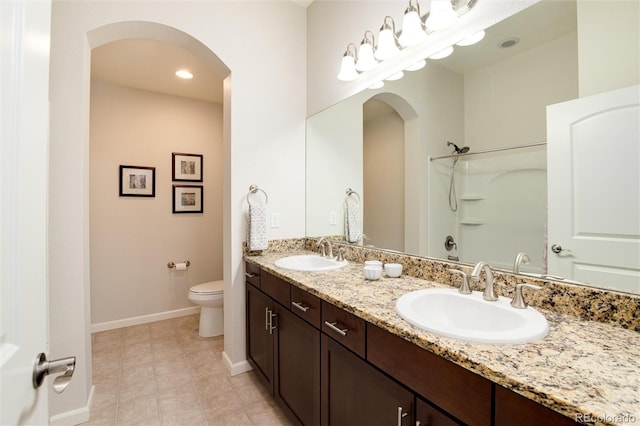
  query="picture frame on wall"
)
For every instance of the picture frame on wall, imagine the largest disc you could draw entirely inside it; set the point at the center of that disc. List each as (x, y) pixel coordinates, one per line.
(137, 181)
(186, 167)
(187, 198)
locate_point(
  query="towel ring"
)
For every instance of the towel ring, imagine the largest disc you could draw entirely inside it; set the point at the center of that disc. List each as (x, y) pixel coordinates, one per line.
(253, 189)
(351, 192)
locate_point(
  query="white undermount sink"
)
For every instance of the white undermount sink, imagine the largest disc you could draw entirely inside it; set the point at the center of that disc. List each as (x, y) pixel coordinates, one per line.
(471, 318)
(309, 263)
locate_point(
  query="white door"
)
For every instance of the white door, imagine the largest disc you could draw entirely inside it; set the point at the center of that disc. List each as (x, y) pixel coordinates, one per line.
(25, 33)
(593, 149)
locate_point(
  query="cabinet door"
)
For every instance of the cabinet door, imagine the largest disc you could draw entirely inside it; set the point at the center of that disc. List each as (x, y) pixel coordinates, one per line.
(428, 415)
(512, 408)
(260, 335)
(297, 379)
(355, 393)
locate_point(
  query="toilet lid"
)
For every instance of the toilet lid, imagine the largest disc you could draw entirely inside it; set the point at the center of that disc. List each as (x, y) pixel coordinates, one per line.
(212, 287)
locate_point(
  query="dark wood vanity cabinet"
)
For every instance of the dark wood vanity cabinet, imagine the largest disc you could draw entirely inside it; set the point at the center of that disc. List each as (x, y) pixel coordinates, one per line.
(327, 366)
(355, 393)
(297, 372)
(260, 341)
(283, 349)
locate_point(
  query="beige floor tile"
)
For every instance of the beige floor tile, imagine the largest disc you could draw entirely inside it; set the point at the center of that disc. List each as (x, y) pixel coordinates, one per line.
(143, 410)
(178, 379)
(163, 373)
(227, 417)
(266, 413)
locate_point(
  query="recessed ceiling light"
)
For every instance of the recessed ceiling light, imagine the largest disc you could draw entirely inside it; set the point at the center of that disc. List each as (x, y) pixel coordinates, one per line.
(184, 74)
(508, 42)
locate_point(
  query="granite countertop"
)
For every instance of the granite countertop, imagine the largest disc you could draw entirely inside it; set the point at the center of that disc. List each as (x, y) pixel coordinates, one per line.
(586, 370)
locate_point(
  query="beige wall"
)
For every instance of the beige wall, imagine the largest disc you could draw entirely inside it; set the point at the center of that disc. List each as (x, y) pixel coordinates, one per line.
(133, 238)
(383, 180)
(505, 103)
(608, 39)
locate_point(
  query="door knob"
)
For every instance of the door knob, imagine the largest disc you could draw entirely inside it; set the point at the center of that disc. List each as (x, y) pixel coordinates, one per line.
(557, 249)
(43, 368)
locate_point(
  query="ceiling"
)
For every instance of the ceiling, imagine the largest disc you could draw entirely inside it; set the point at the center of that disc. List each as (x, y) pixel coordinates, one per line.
(151, 65)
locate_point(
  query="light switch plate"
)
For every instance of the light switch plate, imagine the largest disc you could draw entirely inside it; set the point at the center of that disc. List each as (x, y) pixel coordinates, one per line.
(275, 220)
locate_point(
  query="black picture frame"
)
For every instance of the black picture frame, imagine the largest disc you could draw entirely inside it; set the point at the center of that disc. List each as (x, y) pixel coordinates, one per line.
(186, 167)
(137, 181)
(187, 199)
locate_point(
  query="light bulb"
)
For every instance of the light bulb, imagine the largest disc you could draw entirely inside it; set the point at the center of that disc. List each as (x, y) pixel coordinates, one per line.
(348, 69)
(441, 15)
(366, 60)
(412, 29)
(387, 47)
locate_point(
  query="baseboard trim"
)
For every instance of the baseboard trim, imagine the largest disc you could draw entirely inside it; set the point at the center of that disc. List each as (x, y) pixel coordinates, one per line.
(128, 322)
(74, 417)
(237, 368)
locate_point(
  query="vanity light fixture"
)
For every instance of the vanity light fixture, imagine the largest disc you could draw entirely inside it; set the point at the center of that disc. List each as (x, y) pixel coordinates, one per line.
(441, 15)
(184, 74)
(366, 60)
(348, 70)
(443, 53)
(413, 31)
(472, 39)
(387, 40)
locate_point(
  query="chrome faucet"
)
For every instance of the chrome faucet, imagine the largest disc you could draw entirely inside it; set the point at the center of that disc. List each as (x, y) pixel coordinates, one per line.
(489, 293)
(329, 250)
(520, 259)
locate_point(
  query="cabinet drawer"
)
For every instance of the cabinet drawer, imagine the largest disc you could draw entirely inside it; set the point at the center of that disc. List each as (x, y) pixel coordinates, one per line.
(344, 327)
(306, 306)
(459, 392)
(276, 287)
(252, 273)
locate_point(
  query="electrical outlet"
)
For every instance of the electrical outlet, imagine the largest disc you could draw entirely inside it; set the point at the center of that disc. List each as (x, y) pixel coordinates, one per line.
(275, 220)
(333, 218)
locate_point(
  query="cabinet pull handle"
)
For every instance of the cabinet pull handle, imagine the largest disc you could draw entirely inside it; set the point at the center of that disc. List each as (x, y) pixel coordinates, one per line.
(401, 415)
(267, 317)
(248, 275)
(271, 326)
(300, 306)
(334, 327)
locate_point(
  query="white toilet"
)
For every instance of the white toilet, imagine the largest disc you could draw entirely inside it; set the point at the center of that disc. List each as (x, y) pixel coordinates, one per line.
(209, 296)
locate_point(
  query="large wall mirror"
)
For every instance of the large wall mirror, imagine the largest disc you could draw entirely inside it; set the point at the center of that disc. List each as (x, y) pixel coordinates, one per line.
(450, 161)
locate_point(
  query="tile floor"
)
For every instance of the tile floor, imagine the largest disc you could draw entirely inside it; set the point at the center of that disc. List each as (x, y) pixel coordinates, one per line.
(163, 373)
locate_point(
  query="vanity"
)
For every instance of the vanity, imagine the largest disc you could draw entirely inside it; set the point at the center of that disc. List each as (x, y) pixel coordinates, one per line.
(332, 350)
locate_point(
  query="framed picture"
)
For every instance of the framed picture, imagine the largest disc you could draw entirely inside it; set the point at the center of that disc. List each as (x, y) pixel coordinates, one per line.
(137, 181)
(186, 167)
(187, 198)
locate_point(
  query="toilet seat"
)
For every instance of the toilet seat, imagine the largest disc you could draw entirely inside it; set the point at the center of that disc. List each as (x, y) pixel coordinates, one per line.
(210, 288)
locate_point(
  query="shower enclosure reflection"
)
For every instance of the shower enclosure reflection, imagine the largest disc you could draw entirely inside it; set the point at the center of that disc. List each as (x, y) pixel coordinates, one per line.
(499, 211)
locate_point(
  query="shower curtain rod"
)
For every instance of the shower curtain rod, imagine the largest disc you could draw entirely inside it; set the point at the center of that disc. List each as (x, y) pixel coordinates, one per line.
(488, 150)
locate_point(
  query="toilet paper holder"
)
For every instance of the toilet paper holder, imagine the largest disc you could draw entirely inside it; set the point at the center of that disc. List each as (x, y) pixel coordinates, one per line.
(172, 265)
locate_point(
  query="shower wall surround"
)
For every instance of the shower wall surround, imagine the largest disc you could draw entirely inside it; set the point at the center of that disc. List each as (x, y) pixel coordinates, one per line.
(594, 304)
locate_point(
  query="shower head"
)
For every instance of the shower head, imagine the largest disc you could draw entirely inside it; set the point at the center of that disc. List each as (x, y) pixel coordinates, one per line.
(457, 149)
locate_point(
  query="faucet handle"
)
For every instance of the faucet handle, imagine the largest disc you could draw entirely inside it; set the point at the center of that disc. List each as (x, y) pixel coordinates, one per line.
(340, 257)
(518, 301)
(464, 287)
